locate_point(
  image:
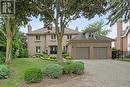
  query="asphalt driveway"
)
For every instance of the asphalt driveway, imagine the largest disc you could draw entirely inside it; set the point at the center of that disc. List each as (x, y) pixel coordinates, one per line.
(101, 73)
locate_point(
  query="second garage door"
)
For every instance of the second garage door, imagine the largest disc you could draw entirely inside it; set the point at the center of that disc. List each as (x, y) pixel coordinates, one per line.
(82, 52)
(100, 52)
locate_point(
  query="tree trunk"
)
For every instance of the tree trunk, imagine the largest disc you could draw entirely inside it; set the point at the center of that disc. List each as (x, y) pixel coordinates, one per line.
(8, 50)
(59, 50)
(9, 41)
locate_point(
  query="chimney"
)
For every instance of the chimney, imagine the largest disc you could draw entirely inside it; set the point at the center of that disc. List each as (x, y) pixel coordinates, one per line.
(76, 29)
(119, 32)
(29, 28)
(119, 27)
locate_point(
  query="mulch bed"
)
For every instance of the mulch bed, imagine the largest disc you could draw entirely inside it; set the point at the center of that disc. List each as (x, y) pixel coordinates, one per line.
(48, 82)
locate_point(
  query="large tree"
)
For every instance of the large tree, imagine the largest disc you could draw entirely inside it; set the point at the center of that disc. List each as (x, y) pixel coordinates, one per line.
(100, 27)
(119, 9)
(61, 12)
(24, 10)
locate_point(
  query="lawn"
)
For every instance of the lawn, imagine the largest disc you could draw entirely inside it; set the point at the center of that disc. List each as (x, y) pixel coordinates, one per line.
(124, 59)
(18, 67)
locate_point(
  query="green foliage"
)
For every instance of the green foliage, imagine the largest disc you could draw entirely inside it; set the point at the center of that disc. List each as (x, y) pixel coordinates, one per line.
(114, 49)
(119, 9)
(68, 67)
(99, 26)
(54, 70)
(78, 67)
(4, 72)
(66, 56)
(2, 57)
(33, 75)
(128, 56)
(23, 53)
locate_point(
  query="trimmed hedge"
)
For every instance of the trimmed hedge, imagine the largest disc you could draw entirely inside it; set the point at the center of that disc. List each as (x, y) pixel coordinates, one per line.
(78, 67)
(68, 67)
(54, 70)
(4, 72)
(33, 75)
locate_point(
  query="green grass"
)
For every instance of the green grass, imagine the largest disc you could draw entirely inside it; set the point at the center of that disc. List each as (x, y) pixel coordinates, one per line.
(124, 59)
(18, 67)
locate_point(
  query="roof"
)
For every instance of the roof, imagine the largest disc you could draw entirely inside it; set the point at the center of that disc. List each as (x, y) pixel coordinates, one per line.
(82, 37)
(90, 30)
(125, 32)
(45, 31)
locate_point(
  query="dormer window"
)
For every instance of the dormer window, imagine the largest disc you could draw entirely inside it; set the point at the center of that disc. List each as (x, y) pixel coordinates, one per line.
(92, 35)
(89, 34)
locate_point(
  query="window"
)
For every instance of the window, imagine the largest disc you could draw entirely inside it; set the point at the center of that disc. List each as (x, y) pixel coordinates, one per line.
(37, 37)
(38, 49)
(69, 37)
(89, 34)
(53, 36)
(92, 35)
(53, 50)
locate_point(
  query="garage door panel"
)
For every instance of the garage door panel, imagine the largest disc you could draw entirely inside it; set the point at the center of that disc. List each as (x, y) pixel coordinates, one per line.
(100, 52)
(82, 52)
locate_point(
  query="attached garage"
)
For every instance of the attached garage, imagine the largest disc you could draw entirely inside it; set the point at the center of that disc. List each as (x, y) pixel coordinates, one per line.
(89, 45)
(100, 52)
(82, 52)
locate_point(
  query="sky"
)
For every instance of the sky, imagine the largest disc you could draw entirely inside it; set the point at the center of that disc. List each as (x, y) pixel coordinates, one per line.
(81, 23)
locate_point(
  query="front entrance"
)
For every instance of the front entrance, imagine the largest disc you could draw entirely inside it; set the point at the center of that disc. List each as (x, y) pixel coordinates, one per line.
(53, 49)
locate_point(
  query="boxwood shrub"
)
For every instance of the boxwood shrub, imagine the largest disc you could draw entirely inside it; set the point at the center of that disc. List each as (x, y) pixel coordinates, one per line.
(54, 70)
(68, 67)
(33, 75)
(78, 67)
(4, 72)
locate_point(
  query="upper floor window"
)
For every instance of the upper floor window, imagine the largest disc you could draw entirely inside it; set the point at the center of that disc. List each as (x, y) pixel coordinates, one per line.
(69, 37)
(91, 34)
(53, 36)
(37, 37)
(38, 49)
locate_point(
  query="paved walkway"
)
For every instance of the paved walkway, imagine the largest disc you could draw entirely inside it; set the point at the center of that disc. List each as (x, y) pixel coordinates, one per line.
(101, 73)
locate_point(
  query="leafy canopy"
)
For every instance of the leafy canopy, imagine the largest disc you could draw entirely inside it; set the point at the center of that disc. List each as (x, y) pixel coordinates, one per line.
(119, 9)
(99, 26)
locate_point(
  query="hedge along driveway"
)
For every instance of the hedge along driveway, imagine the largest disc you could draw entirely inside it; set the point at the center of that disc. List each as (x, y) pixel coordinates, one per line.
(18, 67)
(101, 73)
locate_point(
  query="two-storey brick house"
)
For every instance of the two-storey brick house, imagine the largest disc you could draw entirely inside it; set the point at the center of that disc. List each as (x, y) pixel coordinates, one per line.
(44, 40)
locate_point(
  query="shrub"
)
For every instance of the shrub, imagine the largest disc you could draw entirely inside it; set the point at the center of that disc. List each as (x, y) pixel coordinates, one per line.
(65, 55)
(68, 67)
(53, 57)
(68, 57)
(33, 75)
(128, 56)
(78, 67)
(4, 72)
(54, 70)
(2, 57)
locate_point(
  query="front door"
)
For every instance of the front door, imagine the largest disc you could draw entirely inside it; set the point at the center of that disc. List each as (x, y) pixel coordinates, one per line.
(53, 49)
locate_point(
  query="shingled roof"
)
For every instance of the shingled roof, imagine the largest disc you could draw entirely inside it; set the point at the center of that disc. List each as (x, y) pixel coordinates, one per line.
(82, 37)
(44, 31)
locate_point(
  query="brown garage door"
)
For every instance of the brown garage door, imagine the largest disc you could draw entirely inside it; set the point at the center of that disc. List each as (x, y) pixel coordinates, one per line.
(82, 52)
(100, 52)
